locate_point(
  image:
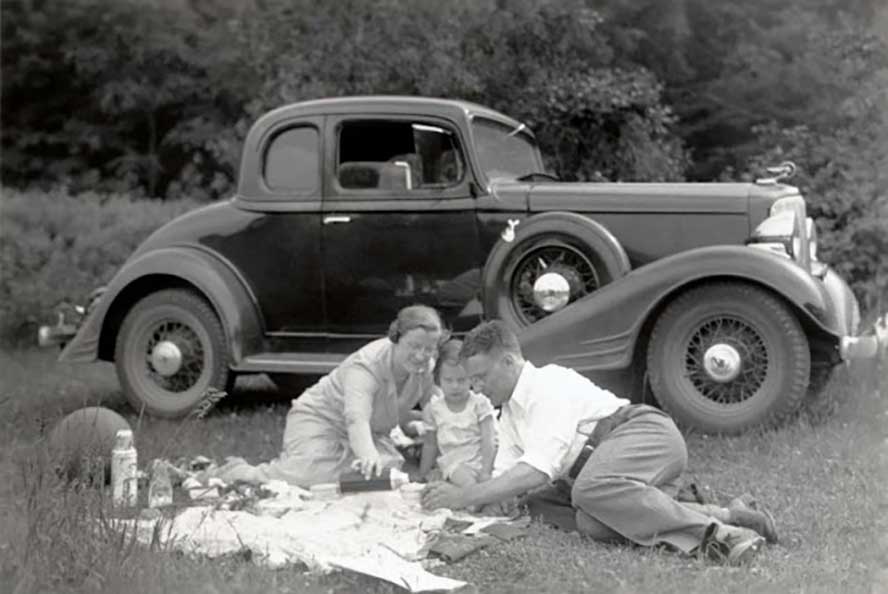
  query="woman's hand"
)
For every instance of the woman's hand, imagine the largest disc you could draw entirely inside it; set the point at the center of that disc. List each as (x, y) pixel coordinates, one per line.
(368, 466)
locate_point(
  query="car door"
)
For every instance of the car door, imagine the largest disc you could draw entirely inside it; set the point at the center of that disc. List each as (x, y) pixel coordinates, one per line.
(398, 225)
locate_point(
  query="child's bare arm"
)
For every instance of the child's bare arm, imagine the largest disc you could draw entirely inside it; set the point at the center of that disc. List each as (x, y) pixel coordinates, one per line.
(488, 448)
(429, 453)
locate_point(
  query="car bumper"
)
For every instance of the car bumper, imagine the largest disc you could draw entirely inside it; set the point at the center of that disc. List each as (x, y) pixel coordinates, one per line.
(854, 342)
(64, 331)
(56, 336)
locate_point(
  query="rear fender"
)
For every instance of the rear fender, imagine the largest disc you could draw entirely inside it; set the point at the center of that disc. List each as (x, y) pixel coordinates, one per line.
(216, 280)
(600, 331)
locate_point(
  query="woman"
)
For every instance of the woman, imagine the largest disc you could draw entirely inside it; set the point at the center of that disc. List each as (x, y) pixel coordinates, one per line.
(343, 422)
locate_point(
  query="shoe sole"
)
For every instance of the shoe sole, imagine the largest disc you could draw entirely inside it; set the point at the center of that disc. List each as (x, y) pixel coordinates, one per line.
(745, 551)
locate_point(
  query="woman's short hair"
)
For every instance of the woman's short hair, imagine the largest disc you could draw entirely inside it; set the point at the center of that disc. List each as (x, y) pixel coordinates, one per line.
(412, 317)
(448, 353)
(490, 337)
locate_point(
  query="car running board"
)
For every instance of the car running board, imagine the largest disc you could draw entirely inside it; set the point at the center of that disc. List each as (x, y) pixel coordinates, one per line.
(314, 363)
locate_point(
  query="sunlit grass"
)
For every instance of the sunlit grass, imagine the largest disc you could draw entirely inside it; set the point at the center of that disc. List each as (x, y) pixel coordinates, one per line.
(824, 480)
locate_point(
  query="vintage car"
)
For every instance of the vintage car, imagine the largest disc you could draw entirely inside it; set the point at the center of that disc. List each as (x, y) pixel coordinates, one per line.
(706, 298)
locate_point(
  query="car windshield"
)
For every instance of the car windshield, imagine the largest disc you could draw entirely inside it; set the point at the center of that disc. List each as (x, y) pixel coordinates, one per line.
(504, 151)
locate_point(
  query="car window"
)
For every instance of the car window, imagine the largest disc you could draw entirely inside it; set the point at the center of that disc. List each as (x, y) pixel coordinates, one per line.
(292, 161)
(399, 156)
(504, 152)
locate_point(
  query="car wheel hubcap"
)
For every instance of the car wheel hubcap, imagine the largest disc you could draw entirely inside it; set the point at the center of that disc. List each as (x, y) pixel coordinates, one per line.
(174, 357)
(166, 358)
(551, 291)
(722, 362)
(549, 277)
(726, 360)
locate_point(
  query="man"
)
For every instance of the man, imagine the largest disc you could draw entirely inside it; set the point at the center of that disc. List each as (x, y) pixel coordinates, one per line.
(624, 459)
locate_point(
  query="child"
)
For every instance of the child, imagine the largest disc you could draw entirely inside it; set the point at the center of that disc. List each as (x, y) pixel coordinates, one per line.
(460, 425)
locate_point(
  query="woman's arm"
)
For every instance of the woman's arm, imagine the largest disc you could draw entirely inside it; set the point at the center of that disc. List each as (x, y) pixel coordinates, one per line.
(488, 448)
(359, 387)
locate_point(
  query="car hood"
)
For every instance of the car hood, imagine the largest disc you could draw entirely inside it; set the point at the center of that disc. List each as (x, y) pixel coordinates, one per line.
(641, 197)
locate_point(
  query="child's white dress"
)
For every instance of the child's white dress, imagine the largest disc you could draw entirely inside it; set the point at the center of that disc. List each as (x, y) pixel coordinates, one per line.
(458, 433)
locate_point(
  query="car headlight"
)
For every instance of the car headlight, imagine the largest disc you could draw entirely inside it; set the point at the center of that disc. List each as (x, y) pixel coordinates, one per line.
(787, 231)
(811, 228)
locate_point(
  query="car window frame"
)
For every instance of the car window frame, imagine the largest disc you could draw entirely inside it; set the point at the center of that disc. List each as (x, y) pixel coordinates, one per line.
(336, 192)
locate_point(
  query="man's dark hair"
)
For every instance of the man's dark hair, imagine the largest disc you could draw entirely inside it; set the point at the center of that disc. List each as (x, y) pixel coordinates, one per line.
(490, 337)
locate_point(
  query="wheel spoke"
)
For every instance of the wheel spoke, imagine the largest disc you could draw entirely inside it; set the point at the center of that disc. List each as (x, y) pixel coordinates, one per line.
(748, 343)
(563, 259)
(191, 367)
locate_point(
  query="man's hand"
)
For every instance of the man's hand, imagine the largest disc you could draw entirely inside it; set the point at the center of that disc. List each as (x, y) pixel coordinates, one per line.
(442, 494)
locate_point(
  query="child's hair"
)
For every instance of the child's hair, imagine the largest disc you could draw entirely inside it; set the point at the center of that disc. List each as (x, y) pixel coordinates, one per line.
(448, 353)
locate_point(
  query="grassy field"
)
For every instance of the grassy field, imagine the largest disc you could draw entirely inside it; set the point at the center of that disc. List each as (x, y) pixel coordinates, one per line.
(824, 479)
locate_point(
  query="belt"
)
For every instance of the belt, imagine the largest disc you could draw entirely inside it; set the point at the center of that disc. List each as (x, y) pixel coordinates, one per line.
(604, 427)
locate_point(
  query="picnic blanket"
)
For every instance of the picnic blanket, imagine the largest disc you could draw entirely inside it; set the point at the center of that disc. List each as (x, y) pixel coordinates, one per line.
(376, 533)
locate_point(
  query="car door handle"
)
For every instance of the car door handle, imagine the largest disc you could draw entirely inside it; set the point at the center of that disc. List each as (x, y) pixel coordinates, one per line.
(333, 219)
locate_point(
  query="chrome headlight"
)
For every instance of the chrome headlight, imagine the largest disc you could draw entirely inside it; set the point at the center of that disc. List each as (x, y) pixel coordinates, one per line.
(787, 231)
(811, 229)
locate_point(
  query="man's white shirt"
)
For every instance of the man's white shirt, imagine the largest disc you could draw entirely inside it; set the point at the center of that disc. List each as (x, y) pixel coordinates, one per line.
(549, 417)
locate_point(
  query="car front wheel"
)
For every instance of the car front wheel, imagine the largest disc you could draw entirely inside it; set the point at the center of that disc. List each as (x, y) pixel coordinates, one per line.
(171, 349)
(725, 357)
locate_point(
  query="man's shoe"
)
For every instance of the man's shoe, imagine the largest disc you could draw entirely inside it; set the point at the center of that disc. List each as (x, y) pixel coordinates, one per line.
(761, 521)
(732, 545)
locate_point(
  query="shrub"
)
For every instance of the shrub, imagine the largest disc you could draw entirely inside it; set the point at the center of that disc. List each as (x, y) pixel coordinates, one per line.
(56, 248)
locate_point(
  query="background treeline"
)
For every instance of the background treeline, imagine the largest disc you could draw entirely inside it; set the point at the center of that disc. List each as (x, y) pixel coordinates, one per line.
(152, 98)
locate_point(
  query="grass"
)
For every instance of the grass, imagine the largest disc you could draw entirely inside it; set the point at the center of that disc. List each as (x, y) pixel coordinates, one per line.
(824, 478)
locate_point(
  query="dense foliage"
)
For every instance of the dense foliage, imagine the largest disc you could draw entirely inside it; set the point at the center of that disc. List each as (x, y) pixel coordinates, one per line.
(55, 249)
(153, 98)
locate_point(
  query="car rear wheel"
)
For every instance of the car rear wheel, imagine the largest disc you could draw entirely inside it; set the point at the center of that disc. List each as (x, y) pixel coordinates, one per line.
(171, 349)
(725, 357)
(554, 260)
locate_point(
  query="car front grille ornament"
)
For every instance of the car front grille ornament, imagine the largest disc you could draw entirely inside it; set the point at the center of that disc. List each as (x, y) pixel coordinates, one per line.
(785, 170)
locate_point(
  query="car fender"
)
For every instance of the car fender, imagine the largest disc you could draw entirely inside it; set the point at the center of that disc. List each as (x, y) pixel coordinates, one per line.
(593, 238)
(214, 278)
(599, 332)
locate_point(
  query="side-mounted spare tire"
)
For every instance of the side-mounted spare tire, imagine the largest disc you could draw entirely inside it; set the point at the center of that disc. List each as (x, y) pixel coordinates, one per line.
(728, 356)
(171, 349)
(576, 255)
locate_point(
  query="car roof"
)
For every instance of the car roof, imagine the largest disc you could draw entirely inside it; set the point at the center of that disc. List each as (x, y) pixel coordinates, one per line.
(386, 104)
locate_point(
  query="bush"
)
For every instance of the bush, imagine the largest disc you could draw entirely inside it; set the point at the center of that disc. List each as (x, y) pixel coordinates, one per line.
(56, 248)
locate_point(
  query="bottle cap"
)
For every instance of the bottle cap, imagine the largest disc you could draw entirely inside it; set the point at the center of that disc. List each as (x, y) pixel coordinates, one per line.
(123, 439)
